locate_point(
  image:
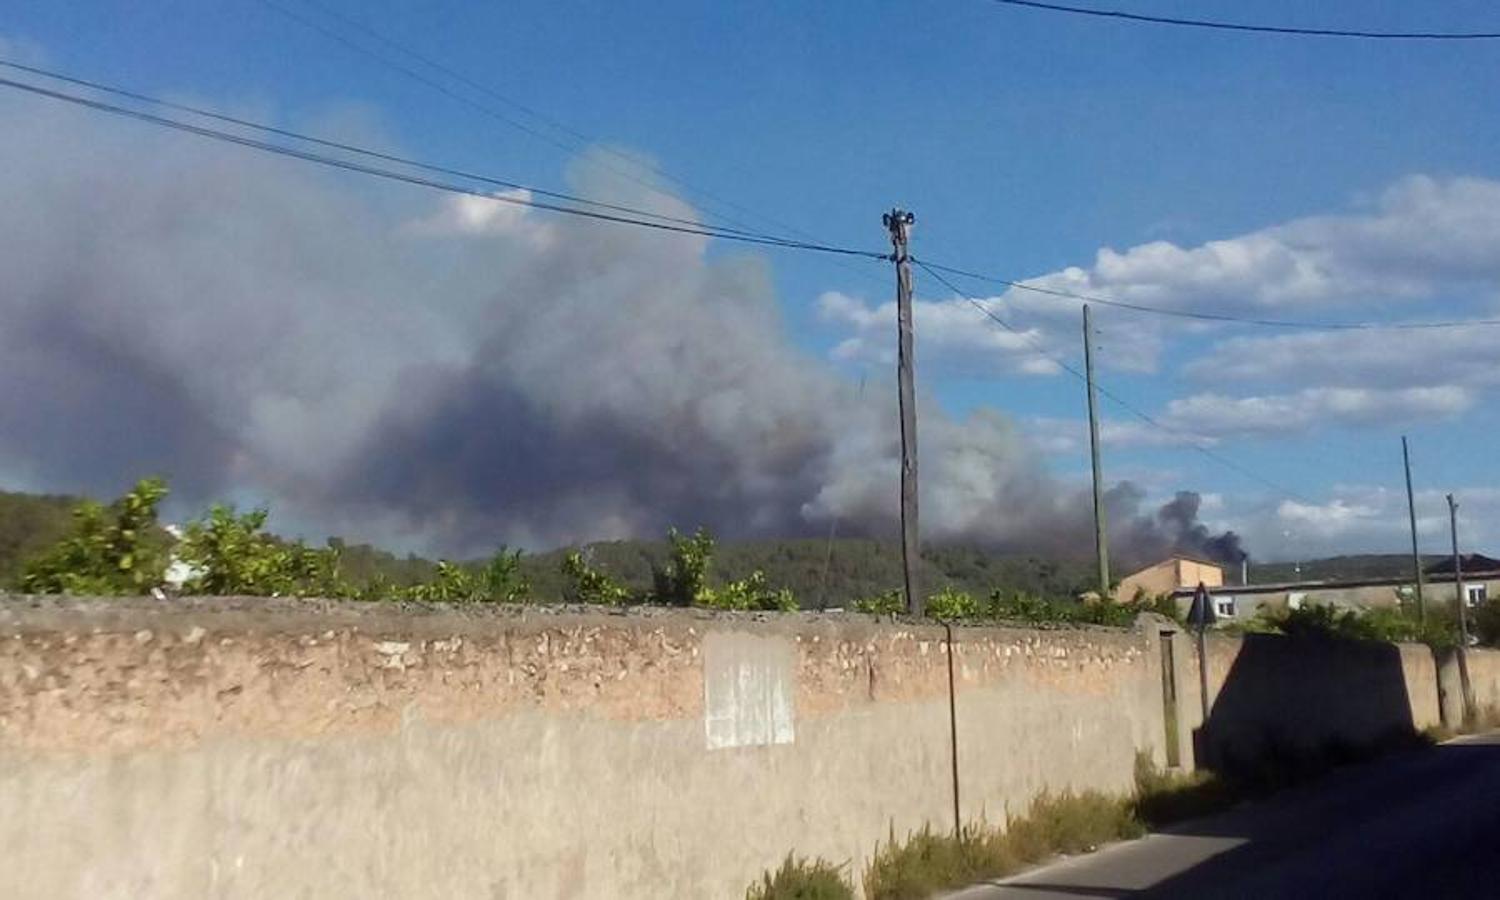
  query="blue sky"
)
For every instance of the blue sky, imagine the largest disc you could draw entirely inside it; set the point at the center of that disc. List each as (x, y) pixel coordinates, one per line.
(1026, 142)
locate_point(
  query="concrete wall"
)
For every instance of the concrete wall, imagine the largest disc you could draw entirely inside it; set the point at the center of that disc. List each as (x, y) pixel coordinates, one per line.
(276, 749)
(1273, 694)
(1484, 680)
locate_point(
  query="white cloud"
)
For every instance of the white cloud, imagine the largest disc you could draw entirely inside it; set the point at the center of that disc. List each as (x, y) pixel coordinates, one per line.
(1448, 356)
(1370, 519)
(1061, 436)
(1423, 238)
(1283, 414)
(1423, 234)
(951, 335)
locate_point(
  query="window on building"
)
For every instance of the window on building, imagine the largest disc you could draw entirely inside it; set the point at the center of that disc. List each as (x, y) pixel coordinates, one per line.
(1476, 593)
(1224, 607)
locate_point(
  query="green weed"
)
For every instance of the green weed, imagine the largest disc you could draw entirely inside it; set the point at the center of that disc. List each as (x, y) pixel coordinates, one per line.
(802, 879)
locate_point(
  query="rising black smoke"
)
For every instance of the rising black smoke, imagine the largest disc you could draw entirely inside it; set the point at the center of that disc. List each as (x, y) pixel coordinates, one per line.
(1178, 520)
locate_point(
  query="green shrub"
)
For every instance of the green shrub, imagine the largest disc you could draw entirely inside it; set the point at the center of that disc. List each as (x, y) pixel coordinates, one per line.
(802, 879)
(1486, 622)
(119, 549)
(1395, 623)
(889, 603)
(232, 554)
(592, 586)
(750, 593)
(1022, 607)
(499, 580)
(952, 604)
(686, 580)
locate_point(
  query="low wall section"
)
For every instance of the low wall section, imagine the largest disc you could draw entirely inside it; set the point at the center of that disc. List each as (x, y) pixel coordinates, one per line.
(1484, 680)
(256, 748)
(1276, 695)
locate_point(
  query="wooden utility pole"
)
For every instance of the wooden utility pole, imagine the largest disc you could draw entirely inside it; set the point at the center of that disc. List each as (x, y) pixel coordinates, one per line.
(1101, 542)
(899, 222)
(1411, 511)
(1200, 616)
(1464, 686)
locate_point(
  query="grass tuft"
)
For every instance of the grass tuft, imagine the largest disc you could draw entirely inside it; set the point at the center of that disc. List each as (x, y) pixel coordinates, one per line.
(802, 879)
(926, 862)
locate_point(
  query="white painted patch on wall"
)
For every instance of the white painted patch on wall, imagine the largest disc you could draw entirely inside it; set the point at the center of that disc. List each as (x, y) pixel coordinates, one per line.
(747, 690)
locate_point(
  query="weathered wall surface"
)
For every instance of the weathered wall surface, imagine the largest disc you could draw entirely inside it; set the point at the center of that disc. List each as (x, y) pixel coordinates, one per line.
(1484, 680)
(254, 748)
(1275, 694)
(272, 748)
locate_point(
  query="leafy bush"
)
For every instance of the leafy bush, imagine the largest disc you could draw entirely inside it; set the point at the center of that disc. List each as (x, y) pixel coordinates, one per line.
(684, 581)
(802, 879)
(889, 603)
(1486, 622)
(499, 580)
(592, 586)
(951, 604)
(1322, 621)
(749, 593)
(231, 554)
(119, 549)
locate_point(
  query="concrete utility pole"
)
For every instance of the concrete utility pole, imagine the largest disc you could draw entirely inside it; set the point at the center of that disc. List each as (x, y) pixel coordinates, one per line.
(1464, 686)
(1411, 511)
(899, 223)
(1101, 542)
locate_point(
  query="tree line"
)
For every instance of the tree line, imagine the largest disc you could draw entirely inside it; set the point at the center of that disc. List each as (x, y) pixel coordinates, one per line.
(68, 545)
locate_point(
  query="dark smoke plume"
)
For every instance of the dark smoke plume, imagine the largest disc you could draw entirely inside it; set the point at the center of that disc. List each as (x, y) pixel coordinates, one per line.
(449, 375)
(1179, 523)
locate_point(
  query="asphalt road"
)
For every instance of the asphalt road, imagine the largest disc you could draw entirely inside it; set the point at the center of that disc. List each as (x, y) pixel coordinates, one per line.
(1424, 824)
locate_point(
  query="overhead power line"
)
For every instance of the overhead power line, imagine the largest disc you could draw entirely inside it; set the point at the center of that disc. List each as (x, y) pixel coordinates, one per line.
(1193, 440)
(1209, 316)
(1259, 29)
(350, 148)
(423, 181)
(690, 225)
(574, 140)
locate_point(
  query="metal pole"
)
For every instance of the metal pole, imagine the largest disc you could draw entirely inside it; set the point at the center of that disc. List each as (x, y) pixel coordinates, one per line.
(1101, 542)
(1411, 511)
(1464, 685)
(899, 223)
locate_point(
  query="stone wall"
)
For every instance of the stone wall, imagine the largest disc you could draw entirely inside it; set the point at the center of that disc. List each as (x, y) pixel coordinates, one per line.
(254, 748)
